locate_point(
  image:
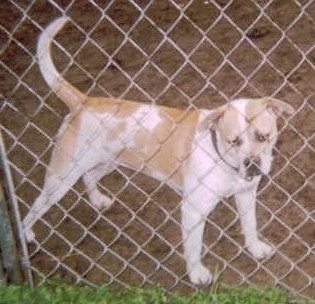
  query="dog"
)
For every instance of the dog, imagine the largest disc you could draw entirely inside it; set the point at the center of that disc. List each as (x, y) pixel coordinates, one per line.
(206, 155)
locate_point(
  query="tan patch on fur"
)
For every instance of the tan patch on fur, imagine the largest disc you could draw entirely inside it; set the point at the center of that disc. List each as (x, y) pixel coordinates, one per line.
(65, 143)
(70, 95)
(254, 109)
(111, 134)
(163, 151)
(258, 115)
(228, 123)
(119, 108)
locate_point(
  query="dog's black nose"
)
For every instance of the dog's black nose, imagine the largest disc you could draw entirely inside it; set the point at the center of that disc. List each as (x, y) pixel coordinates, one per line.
(252, 166)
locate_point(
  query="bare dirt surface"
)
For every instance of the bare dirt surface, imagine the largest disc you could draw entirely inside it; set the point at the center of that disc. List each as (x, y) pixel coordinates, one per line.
(193, 54)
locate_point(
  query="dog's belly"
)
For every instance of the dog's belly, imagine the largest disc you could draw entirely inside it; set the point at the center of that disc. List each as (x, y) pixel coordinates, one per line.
(174, 181)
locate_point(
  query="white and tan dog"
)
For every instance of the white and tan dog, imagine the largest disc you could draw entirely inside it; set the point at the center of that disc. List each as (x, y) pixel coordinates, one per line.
(206, 154)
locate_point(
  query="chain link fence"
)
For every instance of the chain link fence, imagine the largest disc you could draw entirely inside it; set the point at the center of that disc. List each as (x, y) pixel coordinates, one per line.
(182, 54)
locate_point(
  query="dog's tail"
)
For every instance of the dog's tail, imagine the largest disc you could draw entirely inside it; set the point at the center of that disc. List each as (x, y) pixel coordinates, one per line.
(71, 96)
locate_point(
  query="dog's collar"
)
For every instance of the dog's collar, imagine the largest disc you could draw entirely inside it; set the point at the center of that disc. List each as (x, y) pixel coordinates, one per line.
(216, 148)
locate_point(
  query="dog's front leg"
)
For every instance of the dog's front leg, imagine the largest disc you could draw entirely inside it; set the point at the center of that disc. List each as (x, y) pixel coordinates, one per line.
(246, 205)
(99, 200)
(193, 222)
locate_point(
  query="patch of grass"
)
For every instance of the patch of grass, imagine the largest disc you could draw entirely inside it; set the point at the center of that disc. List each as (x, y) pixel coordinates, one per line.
(61, 293)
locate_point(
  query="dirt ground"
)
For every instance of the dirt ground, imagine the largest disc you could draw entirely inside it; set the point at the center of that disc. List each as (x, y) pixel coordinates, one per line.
(199, 59)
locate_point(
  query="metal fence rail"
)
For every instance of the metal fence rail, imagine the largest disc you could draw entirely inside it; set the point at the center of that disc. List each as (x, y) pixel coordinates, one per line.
(182, 54)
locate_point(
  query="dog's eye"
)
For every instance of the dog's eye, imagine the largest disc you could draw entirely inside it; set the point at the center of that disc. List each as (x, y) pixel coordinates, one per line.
(261, 137)
(235, 142)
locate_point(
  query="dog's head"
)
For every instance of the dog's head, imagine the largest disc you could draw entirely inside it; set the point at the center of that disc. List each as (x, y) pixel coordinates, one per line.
(246, 132)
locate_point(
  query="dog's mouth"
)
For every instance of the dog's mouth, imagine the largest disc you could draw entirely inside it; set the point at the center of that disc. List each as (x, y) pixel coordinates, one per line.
(252, 168)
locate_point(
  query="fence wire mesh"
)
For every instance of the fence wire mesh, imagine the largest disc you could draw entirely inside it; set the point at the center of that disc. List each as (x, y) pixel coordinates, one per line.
(183, 54)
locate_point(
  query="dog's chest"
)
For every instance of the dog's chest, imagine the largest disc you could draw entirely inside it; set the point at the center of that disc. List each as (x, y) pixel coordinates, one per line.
(208, 173)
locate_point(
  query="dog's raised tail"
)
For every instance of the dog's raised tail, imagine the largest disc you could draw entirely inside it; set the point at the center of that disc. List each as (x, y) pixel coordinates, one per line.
(71, 96)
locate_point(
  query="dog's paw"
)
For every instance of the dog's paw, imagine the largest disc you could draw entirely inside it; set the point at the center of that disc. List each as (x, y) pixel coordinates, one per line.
(105, 203)
(29, 235)
(260, 250)
(200, 275)
(101, 201)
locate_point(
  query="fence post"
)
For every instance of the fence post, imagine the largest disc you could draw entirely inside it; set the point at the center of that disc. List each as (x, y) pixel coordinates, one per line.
(10, 271)
(13, 253)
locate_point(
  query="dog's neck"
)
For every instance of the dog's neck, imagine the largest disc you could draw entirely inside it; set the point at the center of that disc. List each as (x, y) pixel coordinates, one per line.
(214, 140)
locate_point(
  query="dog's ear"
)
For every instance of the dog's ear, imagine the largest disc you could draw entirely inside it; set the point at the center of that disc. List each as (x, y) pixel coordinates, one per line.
(212, 119)
(279, 107)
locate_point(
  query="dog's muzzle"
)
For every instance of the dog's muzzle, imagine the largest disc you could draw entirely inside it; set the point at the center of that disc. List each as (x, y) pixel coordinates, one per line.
(252, 167)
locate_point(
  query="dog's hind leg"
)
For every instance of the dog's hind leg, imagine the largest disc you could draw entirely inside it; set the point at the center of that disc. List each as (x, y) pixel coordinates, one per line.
(55, 187)
(91, 178)
(67, 165)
